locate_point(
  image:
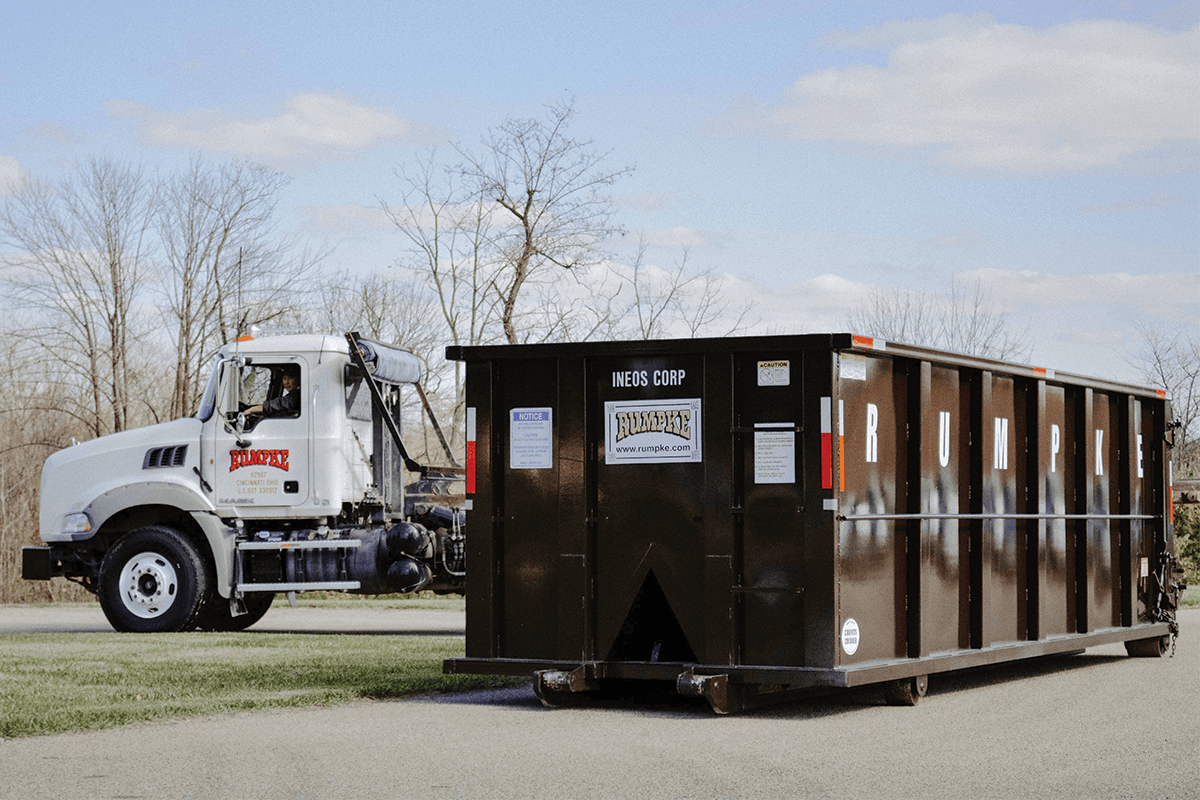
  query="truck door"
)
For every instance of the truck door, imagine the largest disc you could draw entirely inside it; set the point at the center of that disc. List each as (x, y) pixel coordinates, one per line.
(268, 465)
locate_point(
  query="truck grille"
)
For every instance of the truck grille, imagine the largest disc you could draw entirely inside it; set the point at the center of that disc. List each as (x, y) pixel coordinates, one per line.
(172, 456)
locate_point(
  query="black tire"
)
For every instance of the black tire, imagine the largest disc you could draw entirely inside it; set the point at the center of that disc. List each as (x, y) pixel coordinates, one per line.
(1149, 648)
(907, 691)
(153, 580)
(217, 616)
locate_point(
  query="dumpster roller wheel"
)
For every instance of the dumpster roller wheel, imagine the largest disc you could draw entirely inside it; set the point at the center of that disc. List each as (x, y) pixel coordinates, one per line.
(1149, 648)
(906, 691)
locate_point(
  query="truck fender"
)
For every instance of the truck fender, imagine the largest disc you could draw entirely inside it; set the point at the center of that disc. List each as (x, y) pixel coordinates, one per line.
(144, 493)
(184, 500)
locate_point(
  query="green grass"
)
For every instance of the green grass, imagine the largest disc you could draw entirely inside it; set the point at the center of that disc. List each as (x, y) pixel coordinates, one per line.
(54, 683)
(1191, 596)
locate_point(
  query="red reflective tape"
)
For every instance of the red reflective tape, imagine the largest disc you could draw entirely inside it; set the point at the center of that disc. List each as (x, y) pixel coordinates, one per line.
(826, 460)
(863, 341)
(826, 442)
(470, 476)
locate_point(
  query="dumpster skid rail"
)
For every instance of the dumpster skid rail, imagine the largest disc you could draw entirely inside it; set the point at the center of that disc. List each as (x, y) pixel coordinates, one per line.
(756, 519)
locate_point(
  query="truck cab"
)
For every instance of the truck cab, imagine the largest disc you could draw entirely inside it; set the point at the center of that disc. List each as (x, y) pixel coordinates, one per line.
(290, 477)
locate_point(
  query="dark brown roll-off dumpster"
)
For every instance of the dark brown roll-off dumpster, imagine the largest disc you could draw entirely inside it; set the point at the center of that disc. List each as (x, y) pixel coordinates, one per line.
(750, 519)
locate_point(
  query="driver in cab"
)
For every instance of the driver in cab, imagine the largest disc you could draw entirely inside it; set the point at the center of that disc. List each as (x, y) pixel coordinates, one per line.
(287, 404)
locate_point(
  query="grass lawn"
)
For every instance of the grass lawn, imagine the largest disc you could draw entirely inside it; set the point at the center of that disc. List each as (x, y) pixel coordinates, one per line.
(54, 683)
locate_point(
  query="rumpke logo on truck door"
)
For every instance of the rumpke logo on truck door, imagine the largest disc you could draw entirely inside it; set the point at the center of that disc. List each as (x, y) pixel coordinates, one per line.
(258, 458)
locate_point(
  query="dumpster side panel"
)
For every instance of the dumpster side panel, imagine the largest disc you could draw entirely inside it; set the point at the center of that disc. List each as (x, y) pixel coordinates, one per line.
(1053, 583)
(942, 571)
(872, 554)
(768, 501)
(651, 487)
(1001, 563)
(529, 418)
(483, 559)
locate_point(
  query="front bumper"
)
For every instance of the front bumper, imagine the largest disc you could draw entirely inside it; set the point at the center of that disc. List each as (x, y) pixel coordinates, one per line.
(39, 564)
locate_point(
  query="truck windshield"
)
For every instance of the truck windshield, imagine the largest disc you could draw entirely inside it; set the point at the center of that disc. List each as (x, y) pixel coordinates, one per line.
(209, 401)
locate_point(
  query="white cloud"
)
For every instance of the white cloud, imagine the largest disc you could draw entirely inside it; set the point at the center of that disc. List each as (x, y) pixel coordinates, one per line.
(914, 31)
(1086, 324)
(11, 174)
(983, 96)
(1171, 296)
(309, 127)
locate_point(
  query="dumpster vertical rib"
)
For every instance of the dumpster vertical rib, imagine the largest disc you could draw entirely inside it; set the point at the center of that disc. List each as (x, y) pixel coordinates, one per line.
(1085, 458)
(1126, 472)
(918, 533)
(594, 435)
(1036, 494)
(981, 458)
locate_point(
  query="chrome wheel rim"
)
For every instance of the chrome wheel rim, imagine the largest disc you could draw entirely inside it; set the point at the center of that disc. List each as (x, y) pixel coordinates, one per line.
(148, 585)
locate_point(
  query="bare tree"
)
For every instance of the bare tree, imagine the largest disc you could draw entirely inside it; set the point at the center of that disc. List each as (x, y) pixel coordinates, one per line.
(81, 252)
(965, 320)
(551, 190)
(450, 254)
(1171, 361)
(225, 268)
(675, 301)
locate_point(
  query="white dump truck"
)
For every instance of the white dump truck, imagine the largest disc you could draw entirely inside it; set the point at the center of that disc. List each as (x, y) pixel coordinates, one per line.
(289, 478)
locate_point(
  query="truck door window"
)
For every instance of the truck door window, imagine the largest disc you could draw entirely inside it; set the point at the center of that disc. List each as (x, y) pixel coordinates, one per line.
(267, 389)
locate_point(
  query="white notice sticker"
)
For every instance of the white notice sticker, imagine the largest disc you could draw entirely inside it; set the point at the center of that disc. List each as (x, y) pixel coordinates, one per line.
(530, 438)
(774, 452)
(852, 368)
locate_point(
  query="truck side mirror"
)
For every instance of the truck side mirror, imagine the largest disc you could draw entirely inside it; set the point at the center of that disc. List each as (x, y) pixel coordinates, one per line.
(229, 405)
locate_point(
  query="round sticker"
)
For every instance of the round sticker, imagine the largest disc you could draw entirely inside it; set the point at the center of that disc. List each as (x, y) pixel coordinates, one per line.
(850, 636)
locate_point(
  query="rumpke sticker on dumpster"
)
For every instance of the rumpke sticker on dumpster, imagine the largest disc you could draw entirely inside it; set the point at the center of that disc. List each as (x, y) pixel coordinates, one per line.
(652, 431)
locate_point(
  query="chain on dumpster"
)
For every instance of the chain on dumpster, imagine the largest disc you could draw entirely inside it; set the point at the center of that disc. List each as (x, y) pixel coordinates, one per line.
(1169, 591)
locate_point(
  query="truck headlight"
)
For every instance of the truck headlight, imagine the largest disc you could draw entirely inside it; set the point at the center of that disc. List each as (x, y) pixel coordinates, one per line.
(76, 523)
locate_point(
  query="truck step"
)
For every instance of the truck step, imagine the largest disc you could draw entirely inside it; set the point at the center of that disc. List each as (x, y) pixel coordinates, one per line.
(314, 586)
(303, 544)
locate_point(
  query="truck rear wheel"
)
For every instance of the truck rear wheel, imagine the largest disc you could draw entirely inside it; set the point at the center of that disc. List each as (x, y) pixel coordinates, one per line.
(217, 616)
(153, 580)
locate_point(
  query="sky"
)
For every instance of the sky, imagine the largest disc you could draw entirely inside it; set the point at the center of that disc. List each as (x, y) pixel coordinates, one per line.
(813, 152)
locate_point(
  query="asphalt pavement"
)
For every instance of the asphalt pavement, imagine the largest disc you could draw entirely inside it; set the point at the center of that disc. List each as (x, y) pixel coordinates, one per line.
(1097, 725)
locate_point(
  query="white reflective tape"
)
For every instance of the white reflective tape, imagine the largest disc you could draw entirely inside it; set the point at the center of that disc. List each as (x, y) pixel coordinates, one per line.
(470, 423)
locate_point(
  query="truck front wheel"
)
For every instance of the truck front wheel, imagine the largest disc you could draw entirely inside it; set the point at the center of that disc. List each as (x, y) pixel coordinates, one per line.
(153, 580)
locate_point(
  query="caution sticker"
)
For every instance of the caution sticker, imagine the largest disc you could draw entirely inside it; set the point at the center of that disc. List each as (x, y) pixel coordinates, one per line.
(774, 373)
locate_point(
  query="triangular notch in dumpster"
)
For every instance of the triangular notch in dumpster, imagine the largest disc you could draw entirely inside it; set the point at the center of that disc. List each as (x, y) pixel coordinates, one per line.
(651, 631)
